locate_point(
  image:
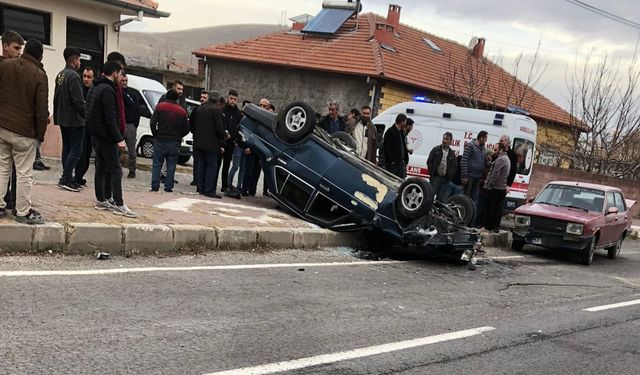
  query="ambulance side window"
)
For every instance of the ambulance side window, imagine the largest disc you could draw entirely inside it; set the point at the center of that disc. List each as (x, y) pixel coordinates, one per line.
(524, 152)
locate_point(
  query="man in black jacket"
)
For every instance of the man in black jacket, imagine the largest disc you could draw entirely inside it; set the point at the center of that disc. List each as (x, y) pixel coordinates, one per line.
(87, 148)
(332, 122)
(169, 123)
(208, 137)
(232, 117)
(394, 147)
(68, 112)
(132, 118)
(442, 167)
(102, 120)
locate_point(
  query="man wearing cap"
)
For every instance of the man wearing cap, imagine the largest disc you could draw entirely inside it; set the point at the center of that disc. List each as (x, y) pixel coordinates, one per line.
(208, 137)
(68, 112)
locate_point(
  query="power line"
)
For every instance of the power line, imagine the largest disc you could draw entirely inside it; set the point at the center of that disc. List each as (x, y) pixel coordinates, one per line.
(604, 13)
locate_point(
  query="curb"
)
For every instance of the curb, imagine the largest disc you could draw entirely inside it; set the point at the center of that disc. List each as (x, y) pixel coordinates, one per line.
(146, 239)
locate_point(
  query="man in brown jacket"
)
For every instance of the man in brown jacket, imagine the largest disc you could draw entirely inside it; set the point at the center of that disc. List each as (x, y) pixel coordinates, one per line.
(23, 120)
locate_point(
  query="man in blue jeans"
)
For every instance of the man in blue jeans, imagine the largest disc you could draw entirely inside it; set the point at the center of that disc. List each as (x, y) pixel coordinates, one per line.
(169, 124)
(68, 112)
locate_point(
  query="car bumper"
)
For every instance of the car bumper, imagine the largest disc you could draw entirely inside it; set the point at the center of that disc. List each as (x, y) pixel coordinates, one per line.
(551, 240)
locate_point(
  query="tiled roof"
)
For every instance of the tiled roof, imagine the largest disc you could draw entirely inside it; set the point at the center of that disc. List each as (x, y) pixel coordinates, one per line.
(355, 52)
(145, 3)
(149, 7)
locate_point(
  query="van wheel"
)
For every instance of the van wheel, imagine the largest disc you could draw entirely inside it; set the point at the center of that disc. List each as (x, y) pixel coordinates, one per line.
(415, 198)
(182, 160)
(464, 206)
(295, 122)
(586, 257)
(614, 250)
(146, 147)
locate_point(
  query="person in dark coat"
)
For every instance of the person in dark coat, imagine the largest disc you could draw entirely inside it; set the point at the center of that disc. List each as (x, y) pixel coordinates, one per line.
(68, 113)
(394, 147)
(208, 137)
(442, 167)
(102, 119)
(204, 97)
(332, 122)
(169, 123)
(496, 184)
(87, 148)
(132, 118)
(232, 117)
(472, 165)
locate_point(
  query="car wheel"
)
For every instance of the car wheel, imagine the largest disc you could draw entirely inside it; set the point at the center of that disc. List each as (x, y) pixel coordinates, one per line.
(465, 207)
(182, 160)
(345, 140)
(517, 245)
(415, 198)
(614, 251)
(146, 147)
(587, 253)
(295, 122)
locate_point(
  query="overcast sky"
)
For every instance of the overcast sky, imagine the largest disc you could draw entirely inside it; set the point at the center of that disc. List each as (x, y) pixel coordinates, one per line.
(567, 32)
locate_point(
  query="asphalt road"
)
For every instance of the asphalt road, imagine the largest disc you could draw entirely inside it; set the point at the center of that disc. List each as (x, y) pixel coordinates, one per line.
(518, 313)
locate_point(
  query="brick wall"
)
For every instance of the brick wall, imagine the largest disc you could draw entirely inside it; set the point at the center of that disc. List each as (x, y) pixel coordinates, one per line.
(543, 174)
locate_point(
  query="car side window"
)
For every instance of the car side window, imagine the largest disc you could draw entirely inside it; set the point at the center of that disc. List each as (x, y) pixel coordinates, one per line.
(611, 202)
(620, 202)
(296, 192)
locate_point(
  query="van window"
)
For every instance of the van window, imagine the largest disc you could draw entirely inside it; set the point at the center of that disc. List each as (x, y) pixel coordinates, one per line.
(524, 152)
(152, 97)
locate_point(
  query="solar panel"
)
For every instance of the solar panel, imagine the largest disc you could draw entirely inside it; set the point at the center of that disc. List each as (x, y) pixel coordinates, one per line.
(328, 21)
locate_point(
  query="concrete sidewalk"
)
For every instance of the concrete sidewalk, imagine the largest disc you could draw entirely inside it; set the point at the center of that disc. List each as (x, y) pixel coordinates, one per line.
(167, 222)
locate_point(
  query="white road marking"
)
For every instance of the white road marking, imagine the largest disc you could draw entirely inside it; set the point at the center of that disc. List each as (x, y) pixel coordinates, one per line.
(352, 354)
(112, 271)
(613, 306)
(509, 257)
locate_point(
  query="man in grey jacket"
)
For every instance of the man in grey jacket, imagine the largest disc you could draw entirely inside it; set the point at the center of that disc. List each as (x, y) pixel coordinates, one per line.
(496, 184)
(68, 112)
(472, 165)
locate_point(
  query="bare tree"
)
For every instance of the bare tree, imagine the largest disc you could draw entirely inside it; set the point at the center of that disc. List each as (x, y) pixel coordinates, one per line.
(485, 83)
(605, 118)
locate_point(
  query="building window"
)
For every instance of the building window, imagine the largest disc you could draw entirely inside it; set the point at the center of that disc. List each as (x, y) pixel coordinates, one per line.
(28, 23)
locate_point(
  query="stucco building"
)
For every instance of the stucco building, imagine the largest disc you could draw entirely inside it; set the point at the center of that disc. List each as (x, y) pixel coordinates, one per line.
(368, 60)
(92, 26)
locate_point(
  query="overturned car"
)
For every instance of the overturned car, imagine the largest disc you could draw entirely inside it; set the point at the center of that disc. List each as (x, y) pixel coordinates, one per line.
(318, 177)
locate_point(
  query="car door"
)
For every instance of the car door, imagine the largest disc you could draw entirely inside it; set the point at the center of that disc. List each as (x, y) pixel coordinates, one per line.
(622, 216)
(608, 231)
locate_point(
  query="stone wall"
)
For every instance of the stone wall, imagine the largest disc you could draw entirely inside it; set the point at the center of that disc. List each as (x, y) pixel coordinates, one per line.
(282, 85)
(543, 174)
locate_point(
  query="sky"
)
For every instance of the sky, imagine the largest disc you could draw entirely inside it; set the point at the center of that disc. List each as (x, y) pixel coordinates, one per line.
(566, 32)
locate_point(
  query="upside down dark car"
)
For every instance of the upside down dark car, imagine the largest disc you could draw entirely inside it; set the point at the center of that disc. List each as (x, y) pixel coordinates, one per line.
(318, 177)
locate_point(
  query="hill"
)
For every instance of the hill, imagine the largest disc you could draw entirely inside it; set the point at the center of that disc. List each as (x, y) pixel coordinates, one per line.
(157, 49)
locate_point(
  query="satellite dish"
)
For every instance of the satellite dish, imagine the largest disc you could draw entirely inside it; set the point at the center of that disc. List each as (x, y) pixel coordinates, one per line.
(473, 42)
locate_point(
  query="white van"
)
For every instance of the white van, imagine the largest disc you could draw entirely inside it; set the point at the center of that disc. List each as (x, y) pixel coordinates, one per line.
(433, 120)
(149, 92)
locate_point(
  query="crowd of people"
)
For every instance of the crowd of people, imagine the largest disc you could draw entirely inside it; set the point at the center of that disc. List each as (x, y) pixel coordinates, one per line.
(100, 113)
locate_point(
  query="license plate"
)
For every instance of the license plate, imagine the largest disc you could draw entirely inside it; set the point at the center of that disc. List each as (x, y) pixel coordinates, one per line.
(536, 241)
(511, 204)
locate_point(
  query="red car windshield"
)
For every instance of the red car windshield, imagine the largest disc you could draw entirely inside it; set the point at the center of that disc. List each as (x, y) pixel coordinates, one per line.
(572, 196)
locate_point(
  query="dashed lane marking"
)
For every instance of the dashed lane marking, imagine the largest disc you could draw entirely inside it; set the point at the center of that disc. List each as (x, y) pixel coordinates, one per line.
(613, 306)
(112, 271)
(353, 354)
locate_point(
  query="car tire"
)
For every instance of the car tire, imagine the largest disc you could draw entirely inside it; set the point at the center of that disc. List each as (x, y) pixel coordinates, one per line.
(465, 206)
(415, 198)
(586, 257)
(614, 251)
(517, 245)
(345, 140)
(182, 160)
(295, 122)
(146, 147)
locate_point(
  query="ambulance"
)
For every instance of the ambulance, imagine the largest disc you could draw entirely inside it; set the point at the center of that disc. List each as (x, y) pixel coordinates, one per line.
(433, 120)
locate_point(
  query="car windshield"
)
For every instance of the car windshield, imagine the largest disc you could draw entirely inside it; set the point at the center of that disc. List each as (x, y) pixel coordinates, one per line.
(152, 97)
(572, 196)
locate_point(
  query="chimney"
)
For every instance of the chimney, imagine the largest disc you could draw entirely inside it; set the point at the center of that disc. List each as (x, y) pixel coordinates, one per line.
(478, 48)
(393, 16)
(297, 26)
(384, 34)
